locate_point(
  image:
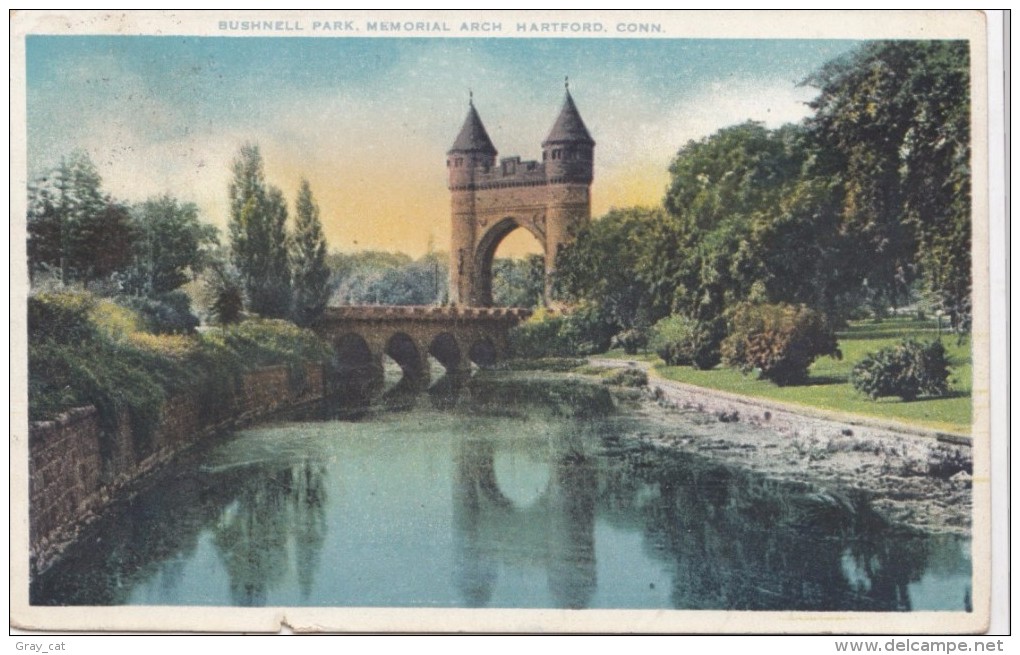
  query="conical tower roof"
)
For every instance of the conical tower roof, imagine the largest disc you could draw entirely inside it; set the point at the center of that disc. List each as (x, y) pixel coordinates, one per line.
(473, 137)
(568, 126)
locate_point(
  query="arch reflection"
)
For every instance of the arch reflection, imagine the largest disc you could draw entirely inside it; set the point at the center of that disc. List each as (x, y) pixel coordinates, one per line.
(556, 532)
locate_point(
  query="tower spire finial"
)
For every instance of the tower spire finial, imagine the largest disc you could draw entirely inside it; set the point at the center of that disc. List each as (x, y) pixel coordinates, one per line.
(566, 82)
(471, 98)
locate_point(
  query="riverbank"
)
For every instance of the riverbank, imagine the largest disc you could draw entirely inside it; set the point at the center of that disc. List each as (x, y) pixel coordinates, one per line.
(828, 386)
(916, 478)
(78, 465)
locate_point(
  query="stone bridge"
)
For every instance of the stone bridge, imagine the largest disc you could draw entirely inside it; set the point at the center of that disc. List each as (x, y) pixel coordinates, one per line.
(456, 336)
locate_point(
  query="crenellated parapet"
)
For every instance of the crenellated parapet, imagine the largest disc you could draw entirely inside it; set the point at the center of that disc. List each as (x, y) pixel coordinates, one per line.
(510, 172)
(428, 313)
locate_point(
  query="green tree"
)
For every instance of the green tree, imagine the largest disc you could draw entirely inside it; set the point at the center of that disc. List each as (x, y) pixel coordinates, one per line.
(603, 266)
(102, 244)
(172, 246)
(308, 260)
(735, 230)
(258, 236)
(376, 277)
(518, 282)
(75, 230)
(796, 251)
(892, 125)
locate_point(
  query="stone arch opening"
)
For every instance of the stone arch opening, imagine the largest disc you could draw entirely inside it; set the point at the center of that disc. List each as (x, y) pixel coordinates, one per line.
(353, 353)
(402, 349)
(358, 372)
(486, 253)
(483, 352)
(446, 351)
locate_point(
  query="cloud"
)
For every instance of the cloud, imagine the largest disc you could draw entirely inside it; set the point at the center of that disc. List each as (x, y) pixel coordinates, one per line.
(634, 153)
(371, 134)
(773, 102)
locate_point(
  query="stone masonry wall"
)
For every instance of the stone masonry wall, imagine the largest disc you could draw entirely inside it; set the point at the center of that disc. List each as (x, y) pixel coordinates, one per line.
(64, 471)
(75, 470)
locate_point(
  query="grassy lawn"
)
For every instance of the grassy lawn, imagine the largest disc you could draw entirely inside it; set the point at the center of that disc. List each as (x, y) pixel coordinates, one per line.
(617, 353)
(828, 388)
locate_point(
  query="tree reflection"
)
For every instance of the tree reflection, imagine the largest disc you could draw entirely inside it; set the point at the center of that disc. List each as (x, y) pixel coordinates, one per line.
(255, 515)
(308, 507)
(253, 533)
(737, 540)
(476, 570)
(571, 569)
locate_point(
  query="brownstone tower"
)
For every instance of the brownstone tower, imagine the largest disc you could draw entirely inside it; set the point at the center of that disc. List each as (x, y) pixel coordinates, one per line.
(550, 199)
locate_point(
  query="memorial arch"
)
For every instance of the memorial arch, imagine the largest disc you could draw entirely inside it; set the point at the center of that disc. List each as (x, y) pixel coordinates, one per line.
(550, 199)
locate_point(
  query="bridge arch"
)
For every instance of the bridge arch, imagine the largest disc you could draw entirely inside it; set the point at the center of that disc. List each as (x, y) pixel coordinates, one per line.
(447, 351)
(358, 370)
(455, 336)
(405, 352)
(353, 353)
(483, 352)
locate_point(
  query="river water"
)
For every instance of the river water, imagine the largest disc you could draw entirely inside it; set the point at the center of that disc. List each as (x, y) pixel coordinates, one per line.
(496, 492)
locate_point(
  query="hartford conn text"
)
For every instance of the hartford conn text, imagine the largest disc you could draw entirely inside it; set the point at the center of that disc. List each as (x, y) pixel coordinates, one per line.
(418, 27)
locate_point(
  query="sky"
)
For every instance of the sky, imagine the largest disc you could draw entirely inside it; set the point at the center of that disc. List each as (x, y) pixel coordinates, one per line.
(368, 121)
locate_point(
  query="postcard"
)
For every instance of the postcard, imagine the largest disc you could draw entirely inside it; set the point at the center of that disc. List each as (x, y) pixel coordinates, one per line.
(500, 321)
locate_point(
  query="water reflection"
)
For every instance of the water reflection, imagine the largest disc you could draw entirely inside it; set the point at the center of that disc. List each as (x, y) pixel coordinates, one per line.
(736, 540)
(555, 532)
(254, 515)
(448, 390)
(254, 532)
(548, 505)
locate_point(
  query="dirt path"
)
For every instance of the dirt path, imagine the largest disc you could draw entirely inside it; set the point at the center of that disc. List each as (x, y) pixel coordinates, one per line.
(917, 478)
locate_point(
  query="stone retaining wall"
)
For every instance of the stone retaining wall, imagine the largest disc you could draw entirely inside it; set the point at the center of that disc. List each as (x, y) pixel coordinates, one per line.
(75, 469)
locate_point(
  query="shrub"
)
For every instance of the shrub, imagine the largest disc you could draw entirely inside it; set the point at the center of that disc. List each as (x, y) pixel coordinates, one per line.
(114, 320)
(683, 341)
(627, 377)
(265, 342)
(169, 313)
(83, 351)
(631, 340)
(538, 337)
(79, 354)
(585, 331)
(61, 315)
(779, 341)
(582, 332)
(908, 370)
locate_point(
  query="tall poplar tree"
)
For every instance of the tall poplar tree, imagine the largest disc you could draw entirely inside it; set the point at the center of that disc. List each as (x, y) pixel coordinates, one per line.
(258, 236)
(308, 260)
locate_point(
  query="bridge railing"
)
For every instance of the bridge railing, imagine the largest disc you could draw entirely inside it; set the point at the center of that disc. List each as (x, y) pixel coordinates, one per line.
(426, 312)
